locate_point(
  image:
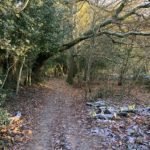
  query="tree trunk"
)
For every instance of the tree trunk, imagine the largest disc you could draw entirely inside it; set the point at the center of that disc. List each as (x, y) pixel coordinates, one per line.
(38, 65)
(120, 81)
(124, 67)
(9, 70)
(72, 68)
(19, 76)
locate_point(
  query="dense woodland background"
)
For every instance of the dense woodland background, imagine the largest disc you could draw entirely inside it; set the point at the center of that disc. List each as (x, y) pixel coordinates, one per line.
(81, 41)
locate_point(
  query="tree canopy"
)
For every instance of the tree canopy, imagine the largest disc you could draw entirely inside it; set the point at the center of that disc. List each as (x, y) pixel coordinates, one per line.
(37, 30)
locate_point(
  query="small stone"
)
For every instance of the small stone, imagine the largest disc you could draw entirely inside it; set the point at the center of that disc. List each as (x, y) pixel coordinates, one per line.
(122, 114)
(131, 139)
(139, 140)
(130, 131)
(106, 111)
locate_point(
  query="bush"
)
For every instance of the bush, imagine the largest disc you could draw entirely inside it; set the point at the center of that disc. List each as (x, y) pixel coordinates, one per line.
(4, 117)
(2, 97)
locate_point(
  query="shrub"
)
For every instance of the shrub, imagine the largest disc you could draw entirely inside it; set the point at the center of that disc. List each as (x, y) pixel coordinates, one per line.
(2, 97)
(4, 117)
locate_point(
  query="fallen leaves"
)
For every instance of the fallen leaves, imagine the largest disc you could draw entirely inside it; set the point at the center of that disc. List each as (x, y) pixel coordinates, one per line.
(123, 130)
(14, 133)
(23, 109)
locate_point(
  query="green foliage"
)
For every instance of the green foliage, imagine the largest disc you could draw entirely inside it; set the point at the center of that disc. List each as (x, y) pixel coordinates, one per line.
(44, 25)
(35, 29)
(4, 117)
(2, 98)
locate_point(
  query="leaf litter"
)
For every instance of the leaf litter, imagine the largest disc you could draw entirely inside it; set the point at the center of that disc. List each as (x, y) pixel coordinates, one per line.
(104, 124)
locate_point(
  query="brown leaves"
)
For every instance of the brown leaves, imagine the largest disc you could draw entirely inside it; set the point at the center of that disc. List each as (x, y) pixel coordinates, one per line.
(14, 133)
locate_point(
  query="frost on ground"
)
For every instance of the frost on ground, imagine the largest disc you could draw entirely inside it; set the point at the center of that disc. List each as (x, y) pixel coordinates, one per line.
(125, 127)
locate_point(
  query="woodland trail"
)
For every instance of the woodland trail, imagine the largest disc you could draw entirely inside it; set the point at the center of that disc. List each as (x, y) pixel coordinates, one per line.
(60, 125)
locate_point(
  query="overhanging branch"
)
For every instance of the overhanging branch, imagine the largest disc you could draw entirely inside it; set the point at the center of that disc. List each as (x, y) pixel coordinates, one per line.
(90, 33)
(122, 35)
(134, 10)
(117, 34)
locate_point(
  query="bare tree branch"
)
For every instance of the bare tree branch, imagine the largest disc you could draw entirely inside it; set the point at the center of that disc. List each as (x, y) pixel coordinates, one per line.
(90, 33)
(134, 10)
(120, 8)
(117, 34)
(122, 35)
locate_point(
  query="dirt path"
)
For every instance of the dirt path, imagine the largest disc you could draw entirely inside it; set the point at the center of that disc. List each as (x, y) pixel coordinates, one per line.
(61, 123)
